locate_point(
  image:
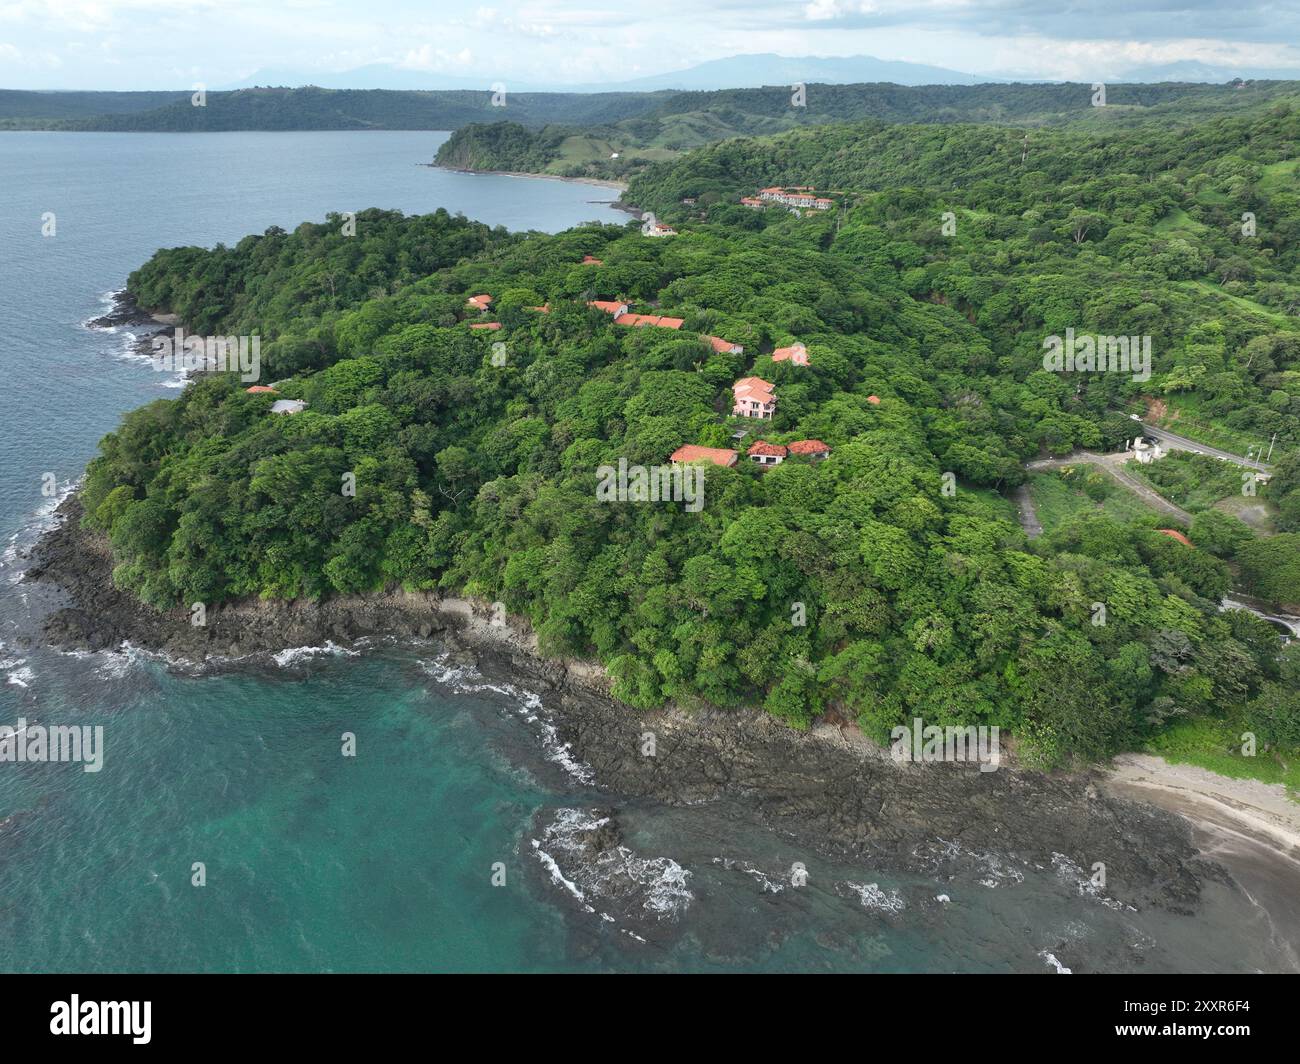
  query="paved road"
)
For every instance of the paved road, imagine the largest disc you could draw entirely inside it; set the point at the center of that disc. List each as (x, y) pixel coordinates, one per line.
(1114, 465)
(1182, 443)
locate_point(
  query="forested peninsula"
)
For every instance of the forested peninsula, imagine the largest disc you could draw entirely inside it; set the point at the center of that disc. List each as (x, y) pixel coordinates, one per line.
(454, 392)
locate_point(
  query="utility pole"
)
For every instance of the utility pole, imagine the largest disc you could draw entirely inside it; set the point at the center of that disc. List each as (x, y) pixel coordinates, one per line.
(1270, 448)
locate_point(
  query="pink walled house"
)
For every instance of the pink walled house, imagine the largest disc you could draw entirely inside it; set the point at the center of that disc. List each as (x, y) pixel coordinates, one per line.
(753, 397)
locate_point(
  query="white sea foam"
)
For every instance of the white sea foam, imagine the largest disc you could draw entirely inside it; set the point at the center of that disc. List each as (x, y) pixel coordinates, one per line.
(557, 876)
(1069, 872)
(22, 677)
(465, 679)
(993, 869)
(616, 873)
(1051, 960)
(878, 899)
(770, 884)
(40, 521)
(296, 655)
(107, 300)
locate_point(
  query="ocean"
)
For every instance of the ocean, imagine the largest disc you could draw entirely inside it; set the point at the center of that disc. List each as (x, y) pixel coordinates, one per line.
(232, 828)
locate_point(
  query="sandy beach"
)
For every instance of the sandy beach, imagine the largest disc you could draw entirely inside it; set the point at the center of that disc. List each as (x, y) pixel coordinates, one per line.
(620, 186)
(1251, 828)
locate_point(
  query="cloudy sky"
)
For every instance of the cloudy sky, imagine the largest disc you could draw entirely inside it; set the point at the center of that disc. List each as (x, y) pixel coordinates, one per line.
(172, 44)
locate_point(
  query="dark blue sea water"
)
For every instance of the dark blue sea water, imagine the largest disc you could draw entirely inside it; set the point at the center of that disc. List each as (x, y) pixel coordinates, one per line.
(384, 861)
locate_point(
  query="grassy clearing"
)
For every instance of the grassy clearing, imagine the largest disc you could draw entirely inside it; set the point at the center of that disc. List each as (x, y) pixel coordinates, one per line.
(1280, 176)
(1193, 481)
(1258, 513)
(1178, 220)
(579, 150)
(1249, 306)
(1216, 745)
(1060, 497)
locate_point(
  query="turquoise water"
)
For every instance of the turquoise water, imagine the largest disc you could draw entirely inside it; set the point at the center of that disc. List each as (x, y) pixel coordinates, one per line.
(384, 861)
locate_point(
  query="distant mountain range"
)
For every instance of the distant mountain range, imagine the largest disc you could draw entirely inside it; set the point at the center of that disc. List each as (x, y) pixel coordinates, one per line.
(734, 72)
(742, 72)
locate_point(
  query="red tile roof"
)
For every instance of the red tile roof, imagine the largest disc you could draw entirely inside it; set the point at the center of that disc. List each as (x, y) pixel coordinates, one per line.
(809, 447)
(1174, 534)
(874, 400)
(641, 320)
(479, 302)
(755, 386)
(609, 306)
(485, 325)
(691, 453)
(545, 308)
(793, 352)
(258, 388)
(720, 345)
(762, 447)
(591, 260)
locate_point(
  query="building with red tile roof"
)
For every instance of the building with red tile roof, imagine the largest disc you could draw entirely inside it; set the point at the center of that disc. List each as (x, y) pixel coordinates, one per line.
(641, 320)
(545, 308)
(797, 196)
(478, 302)
(874, 400)
(258, 389)
(591, 260)
(796, 354)
(717, 455)
(765, 453)
(609, 306)
(812, 448)
(724, 347)
(485, 325)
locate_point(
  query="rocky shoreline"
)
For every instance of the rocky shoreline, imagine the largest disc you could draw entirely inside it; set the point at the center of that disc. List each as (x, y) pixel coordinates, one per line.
(830, 791)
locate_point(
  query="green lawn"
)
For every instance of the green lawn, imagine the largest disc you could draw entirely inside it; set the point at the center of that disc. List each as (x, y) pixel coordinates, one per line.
(1216, 745)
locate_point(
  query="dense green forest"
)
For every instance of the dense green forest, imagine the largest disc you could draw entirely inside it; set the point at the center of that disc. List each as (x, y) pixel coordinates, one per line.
(1121, 233)
(475, 453)
(664, 120)
(307, 108)
(681, 121)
